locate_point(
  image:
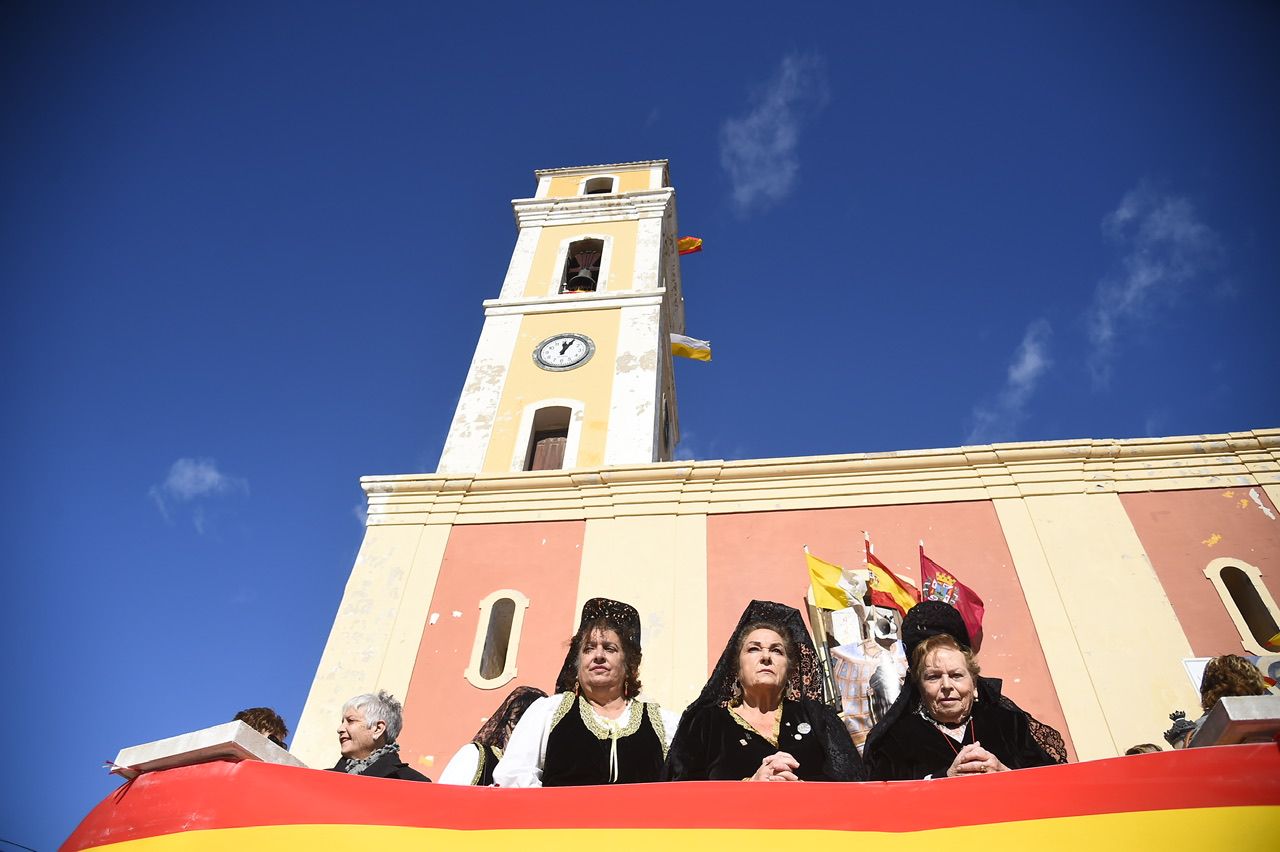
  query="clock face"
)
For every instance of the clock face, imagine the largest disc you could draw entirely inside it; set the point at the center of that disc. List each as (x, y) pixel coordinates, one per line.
(564, 351)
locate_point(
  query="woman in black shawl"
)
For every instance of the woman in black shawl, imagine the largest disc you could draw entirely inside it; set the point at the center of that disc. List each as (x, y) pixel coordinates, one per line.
(760, 717)
(948, 720)
(474, 762)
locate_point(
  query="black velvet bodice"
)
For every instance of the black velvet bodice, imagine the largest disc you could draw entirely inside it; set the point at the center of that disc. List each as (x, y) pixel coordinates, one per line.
(579, 756)
(714, 745)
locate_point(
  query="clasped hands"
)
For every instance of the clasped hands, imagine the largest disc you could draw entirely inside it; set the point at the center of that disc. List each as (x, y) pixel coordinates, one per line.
(973, 759)
(778, 766)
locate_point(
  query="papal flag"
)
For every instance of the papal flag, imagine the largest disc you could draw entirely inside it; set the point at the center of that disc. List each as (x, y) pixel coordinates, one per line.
(887, 588)
(937, 584)
(690, 347)
(689, 245)
(825, 579)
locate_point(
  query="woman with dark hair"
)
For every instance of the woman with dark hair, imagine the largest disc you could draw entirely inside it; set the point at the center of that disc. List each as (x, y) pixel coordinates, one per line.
(949, 720)
(596, 729)
(474, 762)
(760, 717)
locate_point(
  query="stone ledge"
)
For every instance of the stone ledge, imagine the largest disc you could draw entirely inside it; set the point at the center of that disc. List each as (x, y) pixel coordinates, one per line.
(228, 741)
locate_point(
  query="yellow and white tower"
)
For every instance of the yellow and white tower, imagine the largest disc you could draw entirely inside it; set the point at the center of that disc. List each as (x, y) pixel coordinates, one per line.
(573, 366)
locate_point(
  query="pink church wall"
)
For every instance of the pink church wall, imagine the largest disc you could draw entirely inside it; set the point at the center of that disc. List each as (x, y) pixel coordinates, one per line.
(541, 560)
(1183, 531)
(759, 555)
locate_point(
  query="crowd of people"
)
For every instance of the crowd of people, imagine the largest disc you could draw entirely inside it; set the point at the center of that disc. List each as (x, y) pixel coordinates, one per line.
(760, 716)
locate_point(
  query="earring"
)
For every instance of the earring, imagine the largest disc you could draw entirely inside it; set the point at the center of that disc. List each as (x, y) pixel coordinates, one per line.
(735, 694)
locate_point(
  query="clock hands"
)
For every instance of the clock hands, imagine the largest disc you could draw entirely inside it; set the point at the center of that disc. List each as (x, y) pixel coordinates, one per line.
(564, 347)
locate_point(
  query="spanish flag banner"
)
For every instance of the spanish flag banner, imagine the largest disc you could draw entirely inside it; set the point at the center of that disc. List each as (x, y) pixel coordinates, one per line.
(1224, 797)
(690, 347)
(824, 578)
(689, 245)
(887, 588)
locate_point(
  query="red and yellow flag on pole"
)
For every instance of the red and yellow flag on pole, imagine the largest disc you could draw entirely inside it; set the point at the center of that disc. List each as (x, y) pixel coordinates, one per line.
(689, 245)
(887, 588)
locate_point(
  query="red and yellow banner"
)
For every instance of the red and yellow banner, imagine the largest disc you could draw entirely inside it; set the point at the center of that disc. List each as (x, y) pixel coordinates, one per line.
(1226, 797)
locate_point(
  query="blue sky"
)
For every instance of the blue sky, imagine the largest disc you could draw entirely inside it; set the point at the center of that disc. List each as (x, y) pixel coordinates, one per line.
(243, 251)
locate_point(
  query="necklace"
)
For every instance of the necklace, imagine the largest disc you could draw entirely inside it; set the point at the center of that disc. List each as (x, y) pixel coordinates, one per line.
(943, 728)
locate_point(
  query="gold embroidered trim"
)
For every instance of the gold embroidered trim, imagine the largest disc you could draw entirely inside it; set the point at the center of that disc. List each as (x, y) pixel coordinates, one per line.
(777, 725)
(655, 719)
(604, 731)
(475, 779)
(563, 710)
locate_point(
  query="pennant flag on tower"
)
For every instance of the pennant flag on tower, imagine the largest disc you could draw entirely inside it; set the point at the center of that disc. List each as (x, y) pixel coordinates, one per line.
(937, 584)
(825, 578)
(689, 245)
(690, 347)
(887, 588)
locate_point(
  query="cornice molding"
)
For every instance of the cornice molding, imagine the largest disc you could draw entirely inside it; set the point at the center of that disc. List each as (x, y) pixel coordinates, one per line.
(820, 482)
(574, 302)
(598, 168)
(582, 209)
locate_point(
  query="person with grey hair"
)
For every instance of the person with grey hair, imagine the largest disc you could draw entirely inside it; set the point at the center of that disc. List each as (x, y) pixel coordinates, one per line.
(367, 738)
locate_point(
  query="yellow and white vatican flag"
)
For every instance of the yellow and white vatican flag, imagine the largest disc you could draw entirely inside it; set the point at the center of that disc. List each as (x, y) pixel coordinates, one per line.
(690, 347)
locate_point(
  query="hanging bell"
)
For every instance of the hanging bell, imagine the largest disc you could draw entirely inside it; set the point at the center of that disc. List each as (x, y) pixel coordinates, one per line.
(585, 279)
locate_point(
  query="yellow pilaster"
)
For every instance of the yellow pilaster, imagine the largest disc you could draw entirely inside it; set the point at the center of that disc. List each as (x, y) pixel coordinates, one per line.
(658, 564)
(375, 636)
(1110, 636)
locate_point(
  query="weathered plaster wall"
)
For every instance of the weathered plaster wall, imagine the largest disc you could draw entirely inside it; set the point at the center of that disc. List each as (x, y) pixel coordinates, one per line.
(541, 560)
(1182, 531)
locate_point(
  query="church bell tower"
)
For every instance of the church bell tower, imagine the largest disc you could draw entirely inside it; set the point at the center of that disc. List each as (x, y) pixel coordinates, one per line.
(573, 365)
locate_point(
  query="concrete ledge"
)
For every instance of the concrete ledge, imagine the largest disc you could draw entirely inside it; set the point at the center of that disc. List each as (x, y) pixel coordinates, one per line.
(1240, 719)
(228, 741)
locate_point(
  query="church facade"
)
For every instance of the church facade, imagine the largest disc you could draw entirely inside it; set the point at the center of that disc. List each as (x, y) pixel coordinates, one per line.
(1107, 566)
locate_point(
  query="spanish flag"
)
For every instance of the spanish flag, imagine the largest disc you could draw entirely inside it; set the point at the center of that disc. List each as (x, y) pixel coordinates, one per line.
(690, 347)
(887, 588)
(825, 579)
(689, 245)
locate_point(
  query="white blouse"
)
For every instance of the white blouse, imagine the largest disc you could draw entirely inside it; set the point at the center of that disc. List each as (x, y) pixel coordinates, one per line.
(521, 764)
(461, 768)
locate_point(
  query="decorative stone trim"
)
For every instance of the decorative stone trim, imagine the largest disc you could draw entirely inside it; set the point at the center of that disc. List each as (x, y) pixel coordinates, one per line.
(601, 168)
(570, 301)
(1238, 459)
(509, 671)
(1213, 571)
(579, 209)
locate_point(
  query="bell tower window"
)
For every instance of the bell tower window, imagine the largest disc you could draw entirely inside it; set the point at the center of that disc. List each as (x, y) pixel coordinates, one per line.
(548, 438)
(599, 186)
(582, 267)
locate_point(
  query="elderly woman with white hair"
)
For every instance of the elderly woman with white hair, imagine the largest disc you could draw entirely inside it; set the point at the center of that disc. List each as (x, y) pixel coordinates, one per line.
(367, 738)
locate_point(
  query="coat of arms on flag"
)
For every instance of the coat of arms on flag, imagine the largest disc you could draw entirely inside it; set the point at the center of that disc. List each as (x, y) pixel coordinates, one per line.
(940, 587)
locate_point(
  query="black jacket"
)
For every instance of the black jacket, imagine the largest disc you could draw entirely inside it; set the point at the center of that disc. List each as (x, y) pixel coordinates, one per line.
(388, 766)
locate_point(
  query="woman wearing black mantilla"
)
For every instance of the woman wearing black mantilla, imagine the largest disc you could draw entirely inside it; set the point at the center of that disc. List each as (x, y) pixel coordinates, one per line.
(949, 721)
(596, 729)
(760, 717)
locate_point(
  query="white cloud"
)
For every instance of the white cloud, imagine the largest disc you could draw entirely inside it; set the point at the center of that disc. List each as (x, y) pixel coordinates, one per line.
(1163, 245)
(758, 150)
(998, 419)
(192, 481)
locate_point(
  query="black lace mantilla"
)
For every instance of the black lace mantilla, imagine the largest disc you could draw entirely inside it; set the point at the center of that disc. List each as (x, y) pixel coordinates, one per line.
(930, 618)
(619, 616)
(495, 731)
